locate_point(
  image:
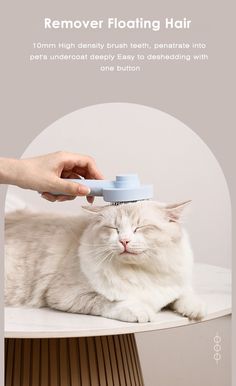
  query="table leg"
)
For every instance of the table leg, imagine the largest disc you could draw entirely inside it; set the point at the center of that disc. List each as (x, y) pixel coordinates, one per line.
(88, 361)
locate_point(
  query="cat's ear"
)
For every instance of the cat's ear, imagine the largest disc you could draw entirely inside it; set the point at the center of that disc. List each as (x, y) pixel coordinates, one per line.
(174, 212)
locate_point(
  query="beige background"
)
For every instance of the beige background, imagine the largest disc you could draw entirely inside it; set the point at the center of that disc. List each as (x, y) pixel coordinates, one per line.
(200, 95)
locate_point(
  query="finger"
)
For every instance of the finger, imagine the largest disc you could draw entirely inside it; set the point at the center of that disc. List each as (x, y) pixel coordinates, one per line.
(48, 197)
(84, 162)
(69, 174)
(89, 174)
(70, 160)
(88, 168)
(90, 199)
(53, 198)
(93, 172)
(65, 198)
(65, 187)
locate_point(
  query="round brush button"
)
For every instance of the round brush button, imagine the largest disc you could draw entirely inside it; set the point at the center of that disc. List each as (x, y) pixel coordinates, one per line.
(127, 181)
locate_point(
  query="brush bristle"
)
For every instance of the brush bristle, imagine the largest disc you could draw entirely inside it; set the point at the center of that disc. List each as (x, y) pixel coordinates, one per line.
(126, 202)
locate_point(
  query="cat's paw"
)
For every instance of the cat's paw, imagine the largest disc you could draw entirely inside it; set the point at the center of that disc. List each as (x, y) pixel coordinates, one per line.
(191, 306)
(128, 315)
(128, 312)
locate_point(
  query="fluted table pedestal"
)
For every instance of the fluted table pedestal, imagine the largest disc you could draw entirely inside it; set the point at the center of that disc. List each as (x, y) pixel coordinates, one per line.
(85, 361)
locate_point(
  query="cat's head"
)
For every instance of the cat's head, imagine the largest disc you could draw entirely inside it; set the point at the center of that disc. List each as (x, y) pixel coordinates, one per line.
(132, 233)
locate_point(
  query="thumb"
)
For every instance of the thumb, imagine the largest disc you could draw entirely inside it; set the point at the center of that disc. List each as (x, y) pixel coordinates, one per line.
(64, 186)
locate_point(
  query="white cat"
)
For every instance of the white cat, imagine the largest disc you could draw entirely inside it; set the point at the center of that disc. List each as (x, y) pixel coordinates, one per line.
(125, 262)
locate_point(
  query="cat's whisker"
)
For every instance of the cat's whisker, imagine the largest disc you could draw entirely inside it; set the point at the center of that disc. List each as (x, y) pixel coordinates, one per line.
(110, 259)
(98, 247)
(151, 247)
(96, 255)
(147, 254)
(134, 247)
(106, 257)
(113, 248)
(94, 245)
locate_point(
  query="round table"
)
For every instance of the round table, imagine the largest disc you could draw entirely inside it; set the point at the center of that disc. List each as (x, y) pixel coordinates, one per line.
(44, 347)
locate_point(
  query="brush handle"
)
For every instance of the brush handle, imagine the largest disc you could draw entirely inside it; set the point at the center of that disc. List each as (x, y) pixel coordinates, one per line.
(124, 181)
(96, 186)
(125, 188)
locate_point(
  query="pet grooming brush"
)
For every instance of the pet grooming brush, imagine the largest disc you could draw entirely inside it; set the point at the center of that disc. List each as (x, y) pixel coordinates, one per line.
(125, 188)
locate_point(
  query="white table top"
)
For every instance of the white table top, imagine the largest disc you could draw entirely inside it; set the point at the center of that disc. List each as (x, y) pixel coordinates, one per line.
(212, 283)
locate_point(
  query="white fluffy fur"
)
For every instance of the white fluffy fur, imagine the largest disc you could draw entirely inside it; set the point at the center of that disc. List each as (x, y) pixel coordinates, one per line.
(78, 264)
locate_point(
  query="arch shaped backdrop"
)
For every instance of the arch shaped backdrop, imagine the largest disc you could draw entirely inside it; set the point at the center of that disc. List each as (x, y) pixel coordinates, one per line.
(126, 138)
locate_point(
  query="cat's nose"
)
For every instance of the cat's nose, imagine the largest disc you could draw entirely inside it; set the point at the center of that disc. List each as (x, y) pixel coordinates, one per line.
(124, 242)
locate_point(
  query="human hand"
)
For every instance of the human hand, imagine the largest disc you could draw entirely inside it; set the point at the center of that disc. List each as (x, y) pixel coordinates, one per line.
(45, 174)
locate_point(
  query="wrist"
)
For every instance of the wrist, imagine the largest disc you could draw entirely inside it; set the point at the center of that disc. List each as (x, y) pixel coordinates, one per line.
(9, 171)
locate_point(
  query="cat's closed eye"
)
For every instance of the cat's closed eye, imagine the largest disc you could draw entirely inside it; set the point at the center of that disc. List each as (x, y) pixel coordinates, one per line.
(111, 227)
(146, 227)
